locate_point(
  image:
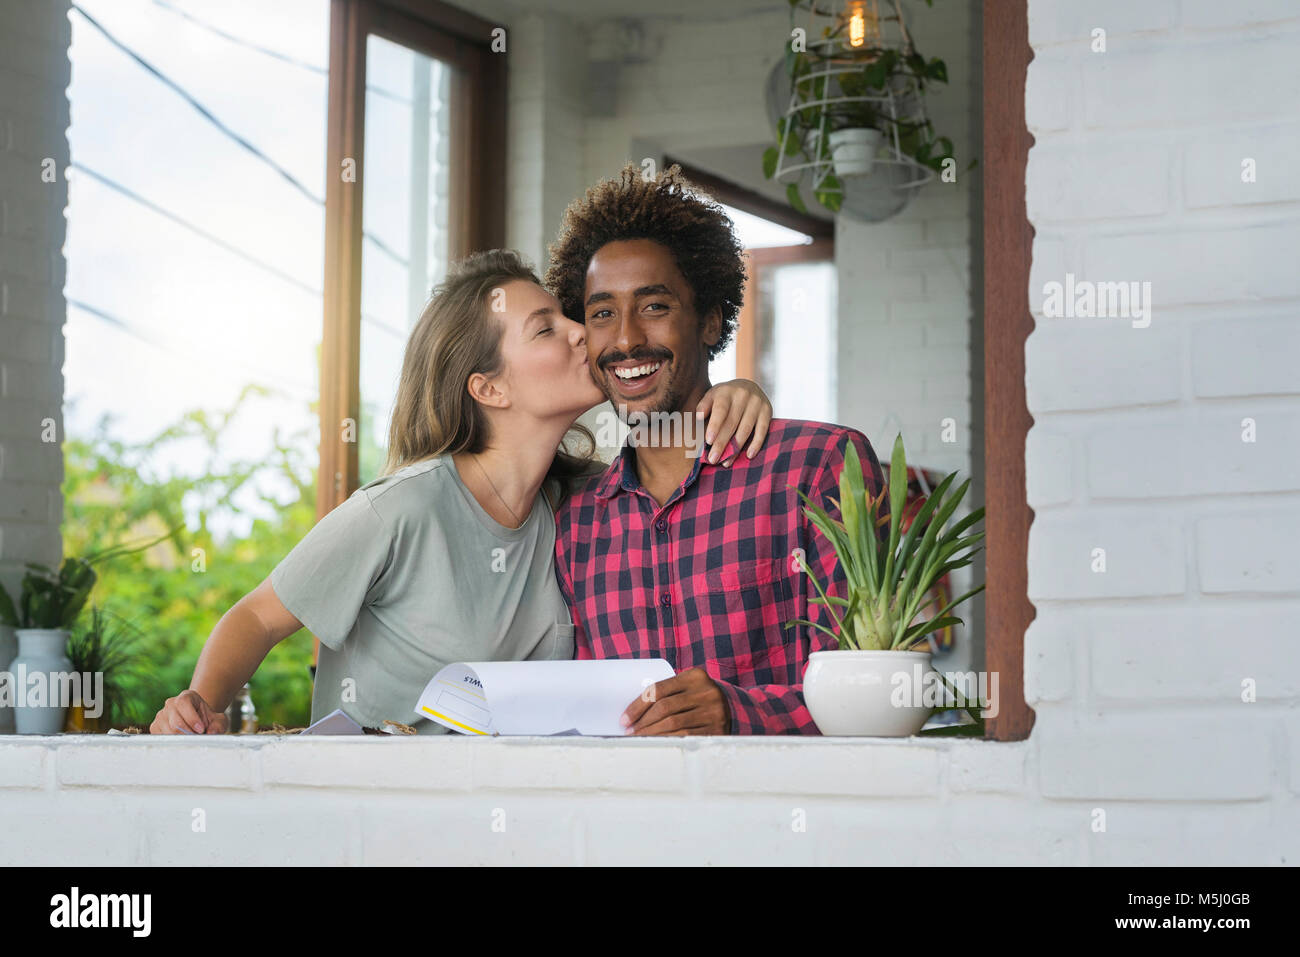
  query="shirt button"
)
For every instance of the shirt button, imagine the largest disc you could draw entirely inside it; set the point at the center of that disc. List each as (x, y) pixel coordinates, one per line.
(664, 598)
(662, 526)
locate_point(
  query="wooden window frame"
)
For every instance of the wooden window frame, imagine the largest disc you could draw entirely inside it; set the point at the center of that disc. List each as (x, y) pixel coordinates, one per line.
(749, 342)
(478, 169)
(1006, 252)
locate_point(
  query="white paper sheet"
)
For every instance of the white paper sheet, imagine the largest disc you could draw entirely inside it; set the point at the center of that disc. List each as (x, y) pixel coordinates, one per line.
(336, 722)
(538, 697)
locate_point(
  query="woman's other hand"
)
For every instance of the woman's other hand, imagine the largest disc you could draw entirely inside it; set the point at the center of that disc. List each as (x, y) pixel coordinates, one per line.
(737, 409)
(188, 713)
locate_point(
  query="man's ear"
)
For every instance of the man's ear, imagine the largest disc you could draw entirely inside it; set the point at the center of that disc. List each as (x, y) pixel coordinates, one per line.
(484, 390)
(713, 326)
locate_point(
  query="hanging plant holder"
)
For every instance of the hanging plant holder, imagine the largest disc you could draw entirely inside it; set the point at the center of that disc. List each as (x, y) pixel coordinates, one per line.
(850, 113)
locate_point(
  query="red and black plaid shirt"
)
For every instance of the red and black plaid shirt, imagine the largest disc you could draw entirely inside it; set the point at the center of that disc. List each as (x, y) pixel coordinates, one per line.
(710, 578)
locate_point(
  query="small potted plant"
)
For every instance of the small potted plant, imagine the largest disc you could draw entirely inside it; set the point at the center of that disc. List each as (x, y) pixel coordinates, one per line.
(103, 646)
(852, 690)
(48, 605)
(8, 649)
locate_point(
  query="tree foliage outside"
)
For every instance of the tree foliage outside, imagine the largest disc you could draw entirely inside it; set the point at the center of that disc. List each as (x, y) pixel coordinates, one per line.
(175, 592)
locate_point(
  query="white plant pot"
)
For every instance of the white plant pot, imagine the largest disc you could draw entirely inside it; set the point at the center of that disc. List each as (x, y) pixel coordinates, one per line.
(40, 650)
(853, 152)
(867, 692)
(8, 650)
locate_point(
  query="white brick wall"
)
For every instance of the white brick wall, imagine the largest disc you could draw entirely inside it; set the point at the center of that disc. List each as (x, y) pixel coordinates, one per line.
(388, 801)
(268, 800)
(34, 73)
(702, 86)
(546, 96)
(1137, 444)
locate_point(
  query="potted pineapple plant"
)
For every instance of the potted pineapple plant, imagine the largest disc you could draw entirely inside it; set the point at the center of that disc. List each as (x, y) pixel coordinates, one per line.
(880, 621)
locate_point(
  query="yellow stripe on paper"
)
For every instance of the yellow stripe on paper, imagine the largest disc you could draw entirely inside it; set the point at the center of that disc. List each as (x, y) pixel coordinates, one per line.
(452, 720)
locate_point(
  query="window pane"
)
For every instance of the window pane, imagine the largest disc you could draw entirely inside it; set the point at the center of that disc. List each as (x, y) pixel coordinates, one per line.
(195, 257)
(796, 364)
(404, 217)
(754, 232)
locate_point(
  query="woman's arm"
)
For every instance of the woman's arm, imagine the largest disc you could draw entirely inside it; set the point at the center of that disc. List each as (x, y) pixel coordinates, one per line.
(239, 643)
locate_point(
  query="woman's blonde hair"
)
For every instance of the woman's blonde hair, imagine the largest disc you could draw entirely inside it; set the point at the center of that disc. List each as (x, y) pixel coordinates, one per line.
(455, 337)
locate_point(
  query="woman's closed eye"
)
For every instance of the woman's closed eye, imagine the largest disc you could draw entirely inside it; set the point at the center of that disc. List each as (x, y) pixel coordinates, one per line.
(543, 331)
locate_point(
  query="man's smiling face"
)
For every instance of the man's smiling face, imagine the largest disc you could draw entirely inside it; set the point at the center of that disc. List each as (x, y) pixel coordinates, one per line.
(647, 347)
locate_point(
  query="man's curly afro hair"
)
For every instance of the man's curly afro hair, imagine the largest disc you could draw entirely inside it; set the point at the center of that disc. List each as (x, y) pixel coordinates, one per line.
(668, 209)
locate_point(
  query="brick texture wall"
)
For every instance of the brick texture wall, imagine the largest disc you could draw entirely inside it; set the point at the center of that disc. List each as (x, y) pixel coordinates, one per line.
(34, 75)
(1140, 446)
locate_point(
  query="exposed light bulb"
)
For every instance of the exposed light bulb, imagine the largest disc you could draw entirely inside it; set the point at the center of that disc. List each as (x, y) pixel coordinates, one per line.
(857, 25)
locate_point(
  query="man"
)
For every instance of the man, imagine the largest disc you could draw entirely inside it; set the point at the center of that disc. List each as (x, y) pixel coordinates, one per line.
(668, 553)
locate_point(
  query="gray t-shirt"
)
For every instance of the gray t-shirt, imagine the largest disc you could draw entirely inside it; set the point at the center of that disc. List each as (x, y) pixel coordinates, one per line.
(411, 574)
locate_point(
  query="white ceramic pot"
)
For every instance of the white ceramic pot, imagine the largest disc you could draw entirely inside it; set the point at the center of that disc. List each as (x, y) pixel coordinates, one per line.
(40, 650)
(854, 151)
(810, 140)
(8, 649)
(874, 693)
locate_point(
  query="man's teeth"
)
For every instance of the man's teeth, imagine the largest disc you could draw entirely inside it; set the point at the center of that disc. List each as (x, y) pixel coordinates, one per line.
(637, 371)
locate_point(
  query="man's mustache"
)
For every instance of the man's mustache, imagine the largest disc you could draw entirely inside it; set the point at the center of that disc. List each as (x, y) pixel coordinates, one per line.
(638, 355)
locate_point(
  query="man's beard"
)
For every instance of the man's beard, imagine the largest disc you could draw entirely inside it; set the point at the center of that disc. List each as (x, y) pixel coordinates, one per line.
(673, 395)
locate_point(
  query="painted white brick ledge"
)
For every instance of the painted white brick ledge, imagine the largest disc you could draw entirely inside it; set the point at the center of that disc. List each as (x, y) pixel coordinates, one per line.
(93, 800)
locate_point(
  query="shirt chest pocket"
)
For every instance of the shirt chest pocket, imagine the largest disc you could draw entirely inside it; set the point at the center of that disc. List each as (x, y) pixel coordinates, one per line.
(743, 609)
(556, 645)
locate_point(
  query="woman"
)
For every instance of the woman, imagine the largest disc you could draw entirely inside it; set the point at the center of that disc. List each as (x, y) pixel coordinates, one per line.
(448, 556)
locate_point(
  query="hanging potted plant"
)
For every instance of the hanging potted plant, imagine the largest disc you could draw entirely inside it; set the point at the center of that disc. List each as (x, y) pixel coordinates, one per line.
(853, 690)
(847, 105)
